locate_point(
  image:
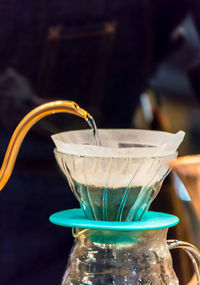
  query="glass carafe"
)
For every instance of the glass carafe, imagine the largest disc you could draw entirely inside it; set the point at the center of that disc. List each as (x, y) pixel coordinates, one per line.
(122, 253)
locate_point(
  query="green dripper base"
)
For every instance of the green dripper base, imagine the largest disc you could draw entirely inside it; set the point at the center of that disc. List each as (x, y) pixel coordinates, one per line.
(75, 218)
(106, 232)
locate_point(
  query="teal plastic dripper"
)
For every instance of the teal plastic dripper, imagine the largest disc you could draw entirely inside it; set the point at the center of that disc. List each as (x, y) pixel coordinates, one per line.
(118, 180)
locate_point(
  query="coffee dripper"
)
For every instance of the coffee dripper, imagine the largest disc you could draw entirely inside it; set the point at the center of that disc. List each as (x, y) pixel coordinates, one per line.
(117, 240)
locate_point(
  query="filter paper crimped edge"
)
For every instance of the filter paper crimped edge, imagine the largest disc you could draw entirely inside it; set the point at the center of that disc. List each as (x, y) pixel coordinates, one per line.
(81, 143)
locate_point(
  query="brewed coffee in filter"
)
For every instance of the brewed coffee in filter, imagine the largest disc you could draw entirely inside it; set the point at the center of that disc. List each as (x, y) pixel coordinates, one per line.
(118, 180)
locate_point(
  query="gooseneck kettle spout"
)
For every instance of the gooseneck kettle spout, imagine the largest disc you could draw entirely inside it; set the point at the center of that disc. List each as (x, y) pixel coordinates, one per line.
(24, 126)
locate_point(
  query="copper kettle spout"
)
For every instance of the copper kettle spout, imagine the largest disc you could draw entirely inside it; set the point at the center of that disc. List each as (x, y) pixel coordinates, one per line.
(24, 126)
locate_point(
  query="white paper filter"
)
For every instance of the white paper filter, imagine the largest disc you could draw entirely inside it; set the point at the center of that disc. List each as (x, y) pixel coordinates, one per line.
(118, 143)
(115, 163)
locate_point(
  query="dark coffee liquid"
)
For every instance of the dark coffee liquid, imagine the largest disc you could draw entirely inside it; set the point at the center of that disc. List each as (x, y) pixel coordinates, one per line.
(113, 204)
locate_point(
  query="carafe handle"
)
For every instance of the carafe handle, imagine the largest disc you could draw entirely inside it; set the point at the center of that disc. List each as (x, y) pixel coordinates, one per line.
(191, 250)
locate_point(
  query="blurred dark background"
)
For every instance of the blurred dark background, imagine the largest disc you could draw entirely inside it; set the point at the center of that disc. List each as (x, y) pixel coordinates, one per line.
(130, 63)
